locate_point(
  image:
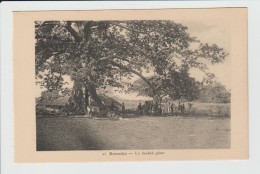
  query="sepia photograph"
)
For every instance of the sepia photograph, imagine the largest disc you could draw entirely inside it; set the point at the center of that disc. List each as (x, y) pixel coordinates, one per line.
(138, 87)
(132, 84)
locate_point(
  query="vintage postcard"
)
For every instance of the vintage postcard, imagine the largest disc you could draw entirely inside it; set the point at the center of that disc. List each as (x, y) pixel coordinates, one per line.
(130, 85)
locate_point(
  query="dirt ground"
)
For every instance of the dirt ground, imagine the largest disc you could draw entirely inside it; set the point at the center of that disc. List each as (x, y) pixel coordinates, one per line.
(138, 133)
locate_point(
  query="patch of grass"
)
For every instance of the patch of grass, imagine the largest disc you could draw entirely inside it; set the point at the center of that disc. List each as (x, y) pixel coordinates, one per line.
(211, 109)
(61, 133)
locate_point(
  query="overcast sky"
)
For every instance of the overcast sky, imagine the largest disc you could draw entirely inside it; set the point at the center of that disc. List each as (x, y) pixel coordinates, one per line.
(213, 32)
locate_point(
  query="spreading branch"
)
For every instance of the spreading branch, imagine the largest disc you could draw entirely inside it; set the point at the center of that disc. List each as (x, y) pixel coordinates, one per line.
(74, 33)
(134, 72)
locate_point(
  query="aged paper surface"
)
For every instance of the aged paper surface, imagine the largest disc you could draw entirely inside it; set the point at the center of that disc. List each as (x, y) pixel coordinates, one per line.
(233, 34)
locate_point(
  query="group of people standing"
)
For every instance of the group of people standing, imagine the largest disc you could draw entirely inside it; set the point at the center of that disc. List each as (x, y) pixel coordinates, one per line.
(149, 108)
(154, 108)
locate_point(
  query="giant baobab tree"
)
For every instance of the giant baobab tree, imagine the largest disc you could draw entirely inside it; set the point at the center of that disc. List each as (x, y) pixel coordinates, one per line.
(97, 54)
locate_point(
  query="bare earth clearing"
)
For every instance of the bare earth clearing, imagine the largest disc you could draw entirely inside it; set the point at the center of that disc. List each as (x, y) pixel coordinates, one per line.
(134, 133)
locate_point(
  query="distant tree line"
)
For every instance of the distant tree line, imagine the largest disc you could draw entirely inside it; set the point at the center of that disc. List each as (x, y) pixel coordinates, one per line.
(216, 93)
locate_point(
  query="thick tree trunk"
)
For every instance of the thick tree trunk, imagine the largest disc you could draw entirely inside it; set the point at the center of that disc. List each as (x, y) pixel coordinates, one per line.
(80, 100)
(78, 97)
(77, 103)
(96, 101)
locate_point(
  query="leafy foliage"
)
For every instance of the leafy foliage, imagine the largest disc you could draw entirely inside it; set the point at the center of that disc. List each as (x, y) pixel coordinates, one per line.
(176, 85)
(216, 93)
(102, 53)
